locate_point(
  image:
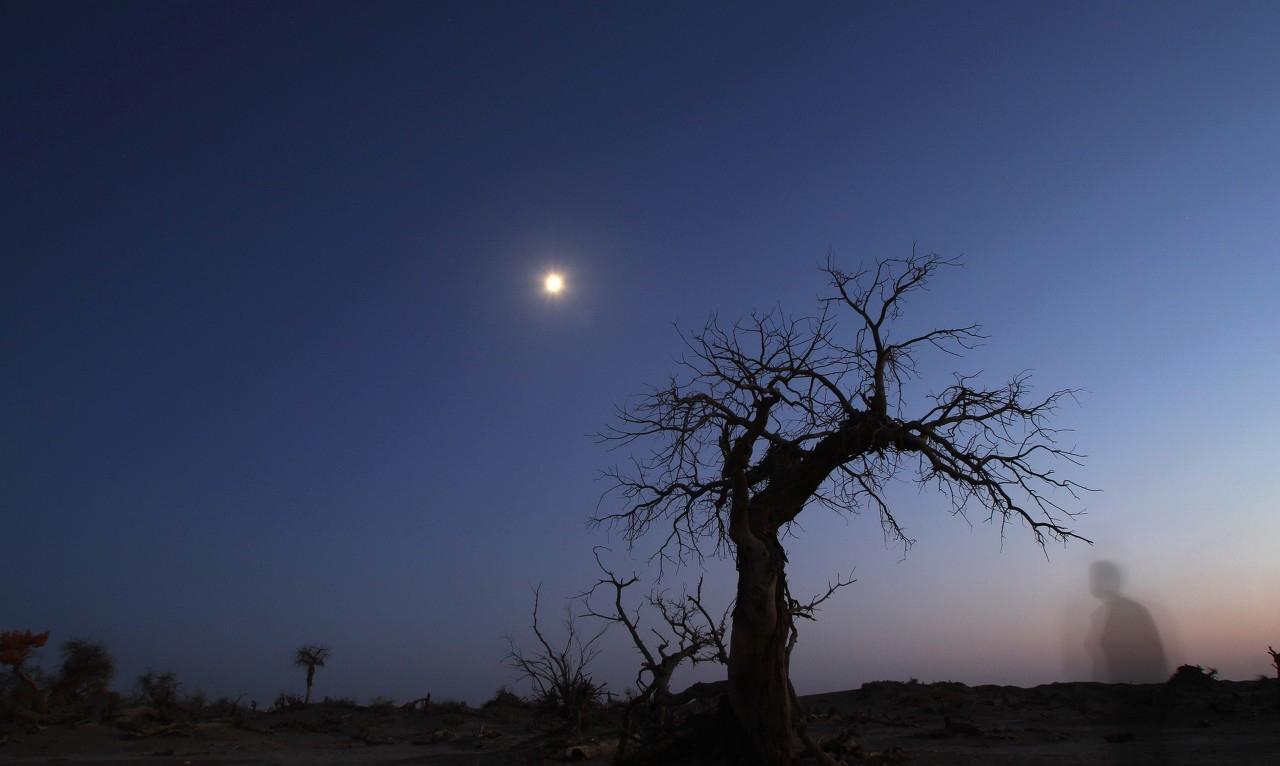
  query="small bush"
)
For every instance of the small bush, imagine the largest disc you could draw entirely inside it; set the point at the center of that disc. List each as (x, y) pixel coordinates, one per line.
(450, 707)
(225, 707)
(559, 673)
(573, 700)
(158, 690)
(106, 705)
(504, 698)
(196, 703)
(287, 701)
(1193, 676)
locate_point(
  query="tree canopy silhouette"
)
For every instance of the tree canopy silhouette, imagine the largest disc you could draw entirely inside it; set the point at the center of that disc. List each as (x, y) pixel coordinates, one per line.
(16, 647)
(310, 656)
(87, 669)
(773, 415)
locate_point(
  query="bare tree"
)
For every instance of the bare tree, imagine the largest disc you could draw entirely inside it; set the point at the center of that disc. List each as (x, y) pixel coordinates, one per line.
(690, 635)
(310, 656)
(559, 674)
(773, 415)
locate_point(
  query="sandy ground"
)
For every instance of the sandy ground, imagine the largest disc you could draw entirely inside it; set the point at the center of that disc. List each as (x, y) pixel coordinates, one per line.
(881, 723)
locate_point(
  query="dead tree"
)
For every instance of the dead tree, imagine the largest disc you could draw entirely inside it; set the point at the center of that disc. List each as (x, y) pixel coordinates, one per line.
(773, 415)
(310, 656)
(691, 635)
(559, 674)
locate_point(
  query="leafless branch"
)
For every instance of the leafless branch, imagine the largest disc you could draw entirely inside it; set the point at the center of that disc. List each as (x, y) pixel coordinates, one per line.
(558, 673)
(688, 633)
(773, 413)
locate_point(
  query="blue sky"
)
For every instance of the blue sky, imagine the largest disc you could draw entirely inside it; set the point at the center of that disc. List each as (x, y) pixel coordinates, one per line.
(278, 369)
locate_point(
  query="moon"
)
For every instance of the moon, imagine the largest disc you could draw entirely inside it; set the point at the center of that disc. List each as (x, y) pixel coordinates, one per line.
(553, 283)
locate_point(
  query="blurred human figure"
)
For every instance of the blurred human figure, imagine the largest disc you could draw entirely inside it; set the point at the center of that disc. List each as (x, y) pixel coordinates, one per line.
(1128, 648)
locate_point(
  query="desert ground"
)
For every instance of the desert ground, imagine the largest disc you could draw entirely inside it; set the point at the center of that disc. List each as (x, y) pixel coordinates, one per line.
(886, 722)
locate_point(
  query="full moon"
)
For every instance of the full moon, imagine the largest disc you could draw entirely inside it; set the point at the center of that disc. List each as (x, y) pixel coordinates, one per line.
(554, 283)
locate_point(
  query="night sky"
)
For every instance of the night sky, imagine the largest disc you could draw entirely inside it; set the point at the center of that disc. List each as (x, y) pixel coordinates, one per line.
(278, 367)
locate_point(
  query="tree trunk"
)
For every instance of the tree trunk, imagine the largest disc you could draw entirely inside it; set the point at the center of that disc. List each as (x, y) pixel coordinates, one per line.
(38, 700)
(759, 673)
(311, 675)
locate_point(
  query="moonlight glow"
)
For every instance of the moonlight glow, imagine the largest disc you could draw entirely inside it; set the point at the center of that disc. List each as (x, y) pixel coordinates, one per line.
(553, 284)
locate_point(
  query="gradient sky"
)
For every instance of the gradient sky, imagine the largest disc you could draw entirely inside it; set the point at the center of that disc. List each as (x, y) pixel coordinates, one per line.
(277, 369)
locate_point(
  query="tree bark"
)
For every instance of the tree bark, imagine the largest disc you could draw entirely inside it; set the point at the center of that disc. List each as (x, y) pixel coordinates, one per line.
(759, 674)
(311, 675)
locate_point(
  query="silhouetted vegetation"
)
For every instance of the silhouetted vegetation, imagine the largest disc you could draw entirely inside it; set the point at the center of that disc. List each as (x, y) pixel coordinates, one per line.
(81, 687)
(227, 709)
(287, 701)
(87, 669)
(851, 727)
(450, 707)
(559, 674)
(688, 633)
(504, 698)
(773, 415)
(310, 656)
(1193, 677)
(16, 647)
(1275, 662)
(158, 691)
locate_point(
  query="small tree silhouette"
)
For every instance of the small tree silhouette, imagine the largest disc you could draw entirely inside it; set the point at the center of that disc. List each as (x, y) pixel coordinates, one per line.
(160, 691)
(310, 656)
(15, 649)
(87, 668)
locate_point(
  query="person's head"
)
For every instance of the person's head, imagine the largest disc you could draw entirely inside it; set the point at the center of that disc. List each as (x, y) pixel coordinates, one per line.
(1105, 578)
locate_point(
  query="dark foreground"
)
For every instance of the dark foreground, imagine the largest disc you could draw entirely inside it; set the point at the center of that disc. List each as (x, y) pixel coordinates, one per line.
(1218, 722)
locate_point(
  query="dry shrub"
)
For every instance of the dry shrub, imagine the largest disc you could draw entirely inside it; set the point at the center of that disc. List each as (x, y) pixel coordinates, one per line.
(158, 690)
(558, 672)
(287, 701)
(504, 698)
(450, 707)
(1193, 677)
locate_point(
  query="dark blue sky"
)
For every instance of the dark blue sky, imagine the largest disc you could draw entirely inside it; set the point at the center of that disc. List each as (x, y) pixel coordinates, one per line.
(277, 368)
